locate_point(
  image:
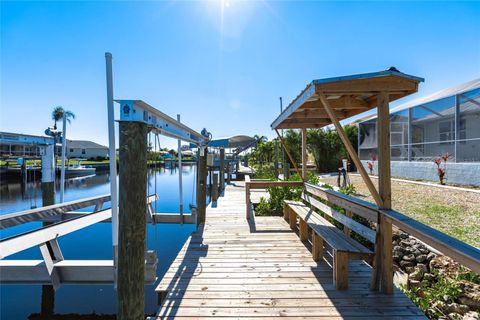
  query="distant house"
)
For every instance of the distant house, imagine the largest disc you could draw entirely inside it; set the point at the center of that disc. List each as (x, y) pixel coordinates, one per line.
(85, 149)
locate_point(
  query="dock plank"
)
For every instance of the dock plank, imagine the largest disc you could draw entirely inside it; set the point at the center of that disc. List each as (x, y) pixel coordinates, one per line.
(232, 268)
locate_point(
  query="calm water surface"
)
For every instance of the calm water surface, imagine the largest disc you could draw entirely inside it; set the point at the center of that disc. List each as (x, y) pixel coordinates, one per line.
(94, 242)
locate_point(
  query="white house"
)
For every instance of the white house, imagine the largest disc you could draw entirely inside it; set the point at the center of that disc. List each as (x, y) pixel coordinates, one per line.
(85, 149)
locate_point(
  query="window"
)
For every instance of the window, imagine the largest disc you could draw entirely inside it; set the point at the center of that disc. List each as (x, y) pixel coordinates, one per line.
(83, 151)
(446, 130)
(71, 150)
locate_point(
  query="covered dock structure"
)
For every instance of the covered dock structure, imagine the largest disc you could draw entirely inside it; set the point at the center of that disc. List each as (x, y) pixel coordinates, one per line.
(241, 266)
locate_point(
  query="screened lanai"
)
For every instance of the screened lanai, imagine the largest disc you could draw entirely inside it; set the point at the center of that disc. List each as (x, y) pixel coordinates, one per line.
(447, 121)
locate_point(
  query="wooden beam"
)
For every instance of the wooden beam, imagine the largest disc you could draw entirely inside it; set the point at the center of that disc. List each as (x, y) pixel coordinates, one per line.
(255, 184)
(351, 151)
(289, 155)
(315, 113)
(382, 277)
(372, 85)
(308, 120)
(295, 125)
(132, 220)
(346, 102)
(304, 154)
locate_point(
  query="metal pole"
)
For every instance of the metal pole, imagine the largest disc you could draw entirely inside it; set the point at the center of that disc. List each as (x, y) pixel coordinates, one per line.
(64, 149)
(285, 172)
(113, 159)
(180, 183)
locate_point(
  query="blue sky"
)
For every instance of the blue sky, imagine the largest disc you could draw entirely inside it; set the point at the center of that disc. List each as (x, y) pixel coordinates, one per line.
(220, 64)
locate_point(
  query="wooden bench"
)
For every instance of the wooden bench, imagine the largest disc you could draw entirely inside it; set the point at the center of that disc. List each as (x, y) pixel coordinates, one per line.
(344, 248)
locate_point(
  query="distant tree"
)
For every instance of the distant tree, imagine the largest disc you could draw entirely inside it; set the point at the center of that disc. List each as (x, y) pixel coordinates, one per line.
(57, 115)
(293, 141)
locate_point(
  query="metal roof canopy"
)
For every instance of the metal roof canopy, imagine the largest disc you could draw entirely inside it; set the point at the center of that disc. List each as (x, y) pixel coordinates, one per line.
(138, 110)
(241, 141)
(347, 96)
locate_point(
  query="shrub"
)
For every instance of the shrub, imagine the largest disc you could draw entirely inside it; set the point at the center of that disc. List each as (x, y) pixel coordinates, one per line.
(274, 205)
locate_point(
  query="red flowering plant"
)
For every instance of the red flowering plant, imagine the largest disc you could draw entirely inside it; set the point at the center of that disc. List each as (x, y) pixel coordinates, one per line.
(442, 171)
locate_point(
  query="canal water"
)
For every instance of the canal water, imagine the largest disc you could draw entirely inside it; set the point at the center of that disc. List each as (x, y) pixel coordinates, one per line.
(92, 243)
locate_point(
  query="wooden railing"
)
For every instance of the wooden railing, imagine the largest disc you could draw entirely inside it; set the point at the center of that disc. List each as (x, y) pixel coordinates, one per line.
(263, 184)
(462, 252)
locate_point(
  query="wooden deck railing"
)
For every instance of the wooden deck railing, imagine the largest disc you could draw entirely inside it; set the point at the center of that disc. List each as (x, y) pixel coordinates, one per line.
(462, 252)
(263, 184)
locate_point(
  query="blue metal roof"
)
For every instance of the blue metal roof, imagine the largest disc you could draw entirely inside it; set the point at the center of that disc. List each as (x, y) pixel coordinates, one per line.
(369, 75)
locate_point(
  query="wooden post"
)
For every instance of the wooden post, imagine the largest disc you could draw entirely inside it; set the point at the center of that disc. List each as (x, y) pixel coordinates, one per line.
(222, 169)
(229, 173)
(317, 247)
(48, 176)
(202, 184)
(346, 230)
(132, 220)
(303, 230)
(289, 155)
(382, 277)
(304, 154)
(215, 187)
(351, 150)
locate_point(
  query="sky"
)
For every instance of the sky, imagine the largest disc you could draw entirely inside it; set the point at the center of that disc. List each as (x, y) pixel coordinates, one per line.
(222, 65)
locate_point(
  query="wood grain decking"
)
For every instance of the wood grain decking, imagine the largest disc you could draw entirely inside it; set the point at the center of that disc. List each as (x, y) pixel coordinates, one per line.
(234, 269)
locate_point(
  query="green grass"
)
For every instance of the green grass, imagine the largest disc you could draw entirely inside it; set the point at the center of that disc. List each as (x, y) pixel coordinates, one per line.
(451, 220)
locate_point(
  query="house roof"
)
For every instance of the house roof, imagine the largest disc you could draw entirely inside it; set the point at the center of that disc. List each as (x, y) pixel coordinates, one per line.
(84, 144)
(347, 96)
(444, 93)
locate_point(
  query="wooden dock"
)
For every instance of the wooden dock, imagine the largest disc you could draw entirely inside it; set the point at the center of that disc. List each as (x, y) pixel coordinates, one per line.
(238, 269)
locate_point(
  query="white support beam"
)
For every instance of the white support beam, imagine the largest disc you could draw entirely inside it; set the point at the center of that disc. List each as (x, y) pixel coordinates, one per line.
(139, 111)
(44, 213)
(27, 240)
(72, 271)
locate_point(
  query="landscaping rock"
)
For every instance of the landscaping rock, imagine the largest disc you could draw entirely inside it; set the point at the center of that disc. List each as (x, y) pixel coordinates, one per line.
(470, 294)
(457, 308)
(471, 315)
(404, 264)
(413, 283)
(454, 316)
(421, 258)
(409, 257)
(430, 256)
(429, 277)
(417, 274)
(409, 269)
(403, 235)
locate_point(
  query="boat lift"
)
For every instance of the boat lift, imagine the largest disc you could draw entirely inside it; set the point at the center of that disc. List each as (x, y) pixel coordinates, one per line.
(64, 218)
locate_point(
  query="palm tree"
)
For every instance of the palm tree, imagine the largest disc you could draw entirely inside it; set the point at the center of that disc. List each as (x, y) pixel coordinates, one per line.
(57, 115)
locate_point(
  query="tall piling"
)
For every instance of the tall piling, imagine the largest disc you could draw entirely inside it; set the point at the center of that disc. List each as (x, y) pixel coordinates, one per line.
(132, 220)
(222, 169)
(215, 187)
(202, 185)
(48, 176)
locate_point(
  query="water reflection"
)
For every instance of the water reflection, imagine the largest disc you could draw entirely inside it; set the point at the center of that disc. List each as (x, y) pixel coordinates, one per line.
(92, 243)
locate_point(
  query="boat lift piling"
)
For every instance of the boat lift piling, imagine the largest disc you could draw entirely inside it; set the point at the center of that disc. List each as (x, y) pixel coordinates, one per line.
(64, 149)
(136, 119)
